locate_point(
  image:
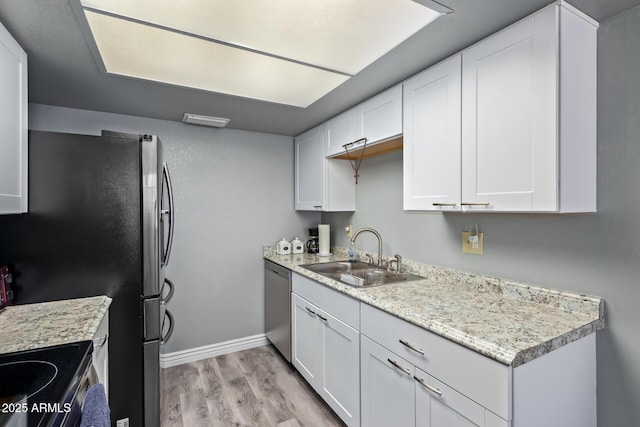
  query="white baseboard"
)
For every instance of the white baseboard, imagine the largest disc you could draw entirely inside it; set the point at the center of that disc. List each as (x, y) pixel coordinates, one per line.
(168, 360)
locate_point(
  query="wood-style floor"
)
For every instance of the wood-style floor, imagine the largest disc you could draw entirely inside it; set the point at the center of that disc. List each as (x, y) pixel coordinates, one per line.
(255, 387)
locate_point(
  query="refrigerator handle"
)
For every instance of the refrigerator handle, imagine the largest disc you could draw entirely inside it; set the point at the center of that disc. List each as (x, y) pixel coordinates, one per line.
(167, 249)
(166, 336)
(171, 289)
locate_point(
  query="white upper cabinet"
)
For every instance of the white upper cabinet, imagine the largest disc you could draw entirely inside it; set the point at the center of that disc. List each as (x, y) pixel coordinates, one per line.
(321, 184)
(341, 130)
(310, 170)
(13, 125)
(529, 116)
(377, 119)
(380, 117)
(431, 156)
(515, 129)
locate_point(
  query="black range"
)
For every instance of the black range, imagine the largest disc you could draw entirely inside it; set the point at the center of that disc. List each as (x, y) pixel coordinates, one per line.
(46, 386)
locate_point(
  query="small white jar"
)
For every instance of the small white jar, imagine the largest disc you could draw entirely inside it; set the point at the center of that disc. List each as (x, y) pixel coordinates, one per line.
(297, 247)
(283, 247)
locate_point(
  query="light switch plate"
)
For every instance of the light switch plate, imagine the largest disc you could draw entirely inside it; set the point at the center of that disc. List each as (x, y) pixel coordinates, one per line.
(467, 246)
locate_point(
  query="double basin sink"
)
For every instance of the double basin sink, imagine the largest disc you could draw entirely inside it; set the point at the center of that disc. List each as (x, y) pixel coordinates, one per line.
(359, 273)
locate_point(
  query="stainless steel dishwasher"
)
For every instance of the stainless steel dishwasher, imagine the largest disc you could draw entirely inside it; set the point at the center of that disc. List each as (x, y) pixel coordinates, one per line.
(277, 310)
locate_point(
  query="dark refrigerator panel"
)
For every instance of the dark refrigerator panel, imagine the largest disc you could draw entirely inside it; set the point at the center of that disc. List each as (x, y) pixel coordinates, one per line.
(82, 237)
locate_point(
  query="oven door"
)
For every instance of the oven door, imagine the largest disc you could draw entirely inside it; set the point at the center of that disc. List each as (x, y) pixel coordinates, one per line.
(75, 400)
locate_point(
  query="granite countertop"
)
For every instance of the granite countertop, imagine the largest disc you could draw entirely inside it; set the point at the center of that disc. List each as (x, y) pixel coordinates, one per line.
(508, 321)
(30, 326)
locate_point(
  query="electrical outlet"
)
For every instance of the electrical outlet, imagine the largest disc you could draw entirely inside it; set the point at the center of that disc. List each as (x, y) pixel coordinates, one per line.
(348, 229)
(123, 422)
(468, 246)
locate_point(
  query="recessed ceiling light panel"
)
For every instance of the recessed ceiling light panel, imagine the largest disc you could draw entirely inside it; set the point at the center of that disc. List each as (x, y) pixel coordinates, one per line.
(285, 51)
(340, 35)
(131, 49)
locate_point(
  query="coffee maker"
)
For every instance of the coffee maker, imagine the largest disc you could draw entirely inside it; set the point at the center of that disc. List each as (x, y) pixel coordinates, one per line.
(312, 244)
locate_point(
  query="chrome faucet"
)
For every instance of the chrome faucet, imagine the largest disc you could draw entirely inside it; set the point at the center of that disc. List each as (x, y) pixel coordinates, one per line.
(370, 230)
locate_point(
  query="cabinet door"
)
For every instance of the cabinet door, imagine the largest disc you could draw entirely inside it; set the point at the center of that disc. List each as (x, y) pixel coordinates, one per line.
(509, 118)
(305, 343)
(341, 130)
(310, 170)
(380, 117)
(431, 156)
(340, 367)
(440, 406)
(387, 391)
(13, 125)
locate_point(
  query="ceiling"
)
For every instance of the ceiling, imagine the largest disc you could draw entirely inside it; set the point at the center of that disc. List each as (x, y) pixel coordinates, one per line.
(62, 70)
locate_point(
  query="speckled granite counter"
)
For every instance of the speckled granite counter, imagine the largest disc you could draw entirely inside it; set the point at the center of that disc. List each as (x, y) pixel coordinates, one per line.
(508, 321)
(29, 326)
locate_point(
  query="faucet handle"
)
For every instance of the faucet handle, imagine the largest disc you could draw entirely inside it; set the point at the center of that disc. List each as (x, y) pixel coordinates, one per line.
(369, 258)
(398, 261)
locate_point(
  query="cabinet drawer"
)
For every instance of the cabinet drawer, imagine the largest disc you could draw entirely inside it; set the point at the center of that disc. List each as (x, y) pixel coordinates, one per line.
(333, 302)
(483, 380)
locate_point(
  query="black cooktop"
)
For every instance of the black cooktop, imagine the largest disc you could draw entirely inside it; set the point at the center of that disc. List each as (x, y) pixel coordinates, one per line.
(35, 384)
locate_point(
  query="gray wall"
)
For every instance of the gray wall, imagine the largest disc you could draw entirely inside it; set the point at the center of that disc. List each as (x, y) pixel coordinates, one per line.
(589, 253)
(234, 193)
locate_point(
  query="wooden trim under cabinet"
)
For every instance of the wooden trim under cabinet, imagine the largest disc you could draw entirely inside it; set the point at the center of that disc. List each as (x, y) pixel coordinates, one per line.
(378, 149)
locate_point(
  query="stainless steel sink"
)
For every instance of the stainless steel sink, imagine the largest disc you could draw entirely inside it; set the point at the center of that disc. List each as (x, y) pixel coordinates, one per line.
(359, 273)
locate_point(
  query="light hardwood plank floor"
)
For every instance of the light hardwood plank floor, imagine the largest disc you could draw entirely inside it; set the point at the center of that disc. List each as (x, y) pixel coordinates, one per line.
(255, 387)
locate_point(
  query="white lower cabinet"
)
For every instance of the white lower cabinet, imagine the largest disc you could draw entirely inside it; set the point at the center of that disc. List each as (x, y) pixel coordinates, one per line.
(387, 390)
(326, 350)
(438, 405)
(100, 357)
(375, 369)
(396, 393)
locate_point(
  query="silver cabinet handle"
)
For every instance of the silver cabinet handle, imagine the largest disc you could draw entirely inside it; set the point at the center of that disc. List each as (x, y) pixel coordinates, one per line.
(427, 386)
(410, 347)
(475, 203)
(444, 204)
(321, 317)
(394, 363)
(311, 311)
(317, 206)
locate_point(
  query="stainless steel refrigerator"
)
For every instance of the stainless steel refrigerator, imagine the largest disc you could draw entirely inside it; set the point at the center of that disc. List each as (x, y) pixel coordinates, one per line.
(101, 221)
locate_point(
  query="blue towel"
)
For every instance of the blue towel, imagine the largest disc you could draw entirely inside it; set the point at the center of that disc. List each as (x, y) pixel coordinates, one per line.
(95, 412)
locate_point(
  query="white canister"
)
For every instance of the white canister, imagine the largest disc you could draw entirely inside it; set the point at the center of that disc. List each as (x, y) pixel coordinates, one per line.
(297, 247)
(283, 247)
